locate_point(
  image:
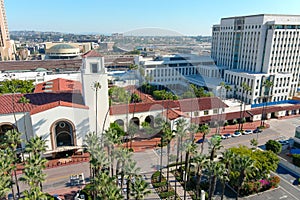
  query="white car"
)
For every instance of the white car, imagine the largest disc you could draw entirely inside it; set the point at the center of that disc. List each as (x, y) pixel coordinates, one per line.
(247, 132)
(237, 134)
(226, 136)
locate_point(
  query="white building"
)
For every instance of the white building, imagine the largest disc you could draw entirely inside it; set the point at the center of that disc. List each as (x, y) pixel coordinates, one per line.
(177, 70)
(258, 48)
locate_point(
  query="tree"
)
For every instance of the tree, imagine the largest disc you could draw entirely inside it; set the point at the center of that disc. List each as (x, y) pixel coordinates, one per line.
(227, 158)
(13, 140)
(204, 129)
(274, 146)
(6, 168)
(201, 162)
(244, 165)
(131, 131)
(215, 170)
(190, 149)
(97, 87)
(139, 189)
(253, 142)
(111, 138)
(214, 146)
(33, 171)
(245, 89)
(16, 86)
(267, 85)
(130, 170)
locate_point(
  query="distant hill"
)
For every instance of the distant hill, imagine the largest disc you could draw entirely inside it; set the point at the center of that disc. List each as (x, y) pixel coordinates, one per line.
(152, 32)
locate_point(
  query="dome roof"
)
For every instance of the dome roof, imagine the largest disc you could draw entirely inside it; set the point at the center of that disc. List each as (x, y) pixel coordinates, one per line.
(62, 46)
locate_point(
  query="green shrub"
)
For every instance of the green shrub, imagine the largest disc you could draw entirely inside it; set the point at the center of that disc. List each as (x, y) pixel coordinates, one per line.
(167, 194)
(159, 184)
(274, 181)
(274, 146)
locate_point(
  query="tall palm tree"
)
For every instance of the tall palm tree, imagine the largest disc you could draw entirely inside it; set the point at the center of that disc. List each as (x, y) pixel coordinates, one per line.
(245, 166)
(201, 162)
(246, 89)
(36, 145)
(268, 85)
(97, 87)
(6, 168)
(111, 139)
(190, 148)
(214, 146)
(13, 141)
(227, 88)
(33, 175)
(130, 170)
(180, 134)
(215, 170)
(227, 158)
(167, 137)
(204, 129)
(139, 189)
(24, 101)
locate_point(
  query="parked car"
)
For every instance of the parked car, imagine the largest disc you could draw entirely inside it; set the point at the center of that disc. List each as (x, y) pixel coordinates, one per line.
(226, 136)
(200, 141)
(257, 130)
(247, 132)
(236, 134)
(56, 197)
(284, 142)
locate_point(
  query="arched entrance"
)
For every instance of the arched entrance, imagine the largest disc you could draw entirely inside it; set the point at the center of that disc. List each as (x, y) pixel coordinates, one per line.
(150, 120)
(4, 127)
(120, 122)
(63, 134)
(135, 121)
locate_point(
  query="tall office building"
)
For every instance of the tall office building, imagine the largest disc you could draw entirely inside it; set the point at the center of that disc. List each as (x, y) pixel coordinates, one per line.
(6, 47)
(257, 48)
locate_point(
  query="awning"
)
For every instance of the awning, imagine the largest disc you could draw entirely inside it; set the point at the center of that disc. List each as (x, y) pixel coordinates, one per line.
(62, 149)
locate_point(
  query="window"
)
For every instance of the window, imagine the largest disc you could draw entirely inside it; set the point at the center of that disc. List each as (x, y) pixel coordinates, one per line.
(205, 112)
(196, 113)
(94, 68)
(215, 111)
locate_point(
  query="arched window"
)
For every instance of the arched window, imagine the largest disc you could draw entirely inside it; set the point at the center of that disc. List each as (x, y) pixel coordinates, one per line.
(63, 134)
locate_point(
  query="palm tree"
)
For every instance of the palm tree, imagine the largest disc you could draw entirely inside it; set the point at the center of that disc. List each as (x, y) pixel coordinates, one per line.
(214, 146)
(201, 162)
(111, 138)
(246, 89)
(245, 166)
(167, 137)
(36, 145)
(215, 170)
(227, 88)
(227, 158)
(13, 140)
(139, 189)
(130, 170)
(33, 175)
(6, 168)
(97, 87)
(268, 85)
(204, 129)
(180, 133)
(131, 131)
(122, 156)
(190, 148)
(24, 101)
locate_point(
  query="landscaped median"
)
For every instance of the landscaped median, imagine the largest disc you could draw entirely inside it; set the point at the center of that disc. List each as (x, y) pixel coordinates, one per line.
(161, 188)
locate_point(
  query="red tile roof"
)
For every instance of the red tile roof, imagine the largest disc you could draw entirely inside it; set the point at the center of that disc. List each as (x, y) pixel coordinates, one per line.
(59, 85)
(224, 116)
(184, 105)
(38, 100)
(92, 53)
(174, 114)
(72, 65)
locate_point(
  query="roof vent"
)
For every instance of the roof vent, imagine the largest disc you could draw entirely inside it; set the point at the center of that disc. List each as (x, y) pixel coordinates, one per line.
(47, 90)
(48, 86)
(49, 83)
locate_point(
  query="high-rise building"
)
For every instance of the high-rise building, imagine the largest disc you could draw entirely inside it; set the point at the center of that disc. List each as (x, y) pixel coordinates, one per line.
(257, 48)
(6, 48)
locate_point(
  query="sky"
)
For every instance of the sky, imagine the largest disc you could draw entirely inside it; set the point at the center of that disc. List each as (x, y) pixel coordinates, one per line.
(187, 17)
